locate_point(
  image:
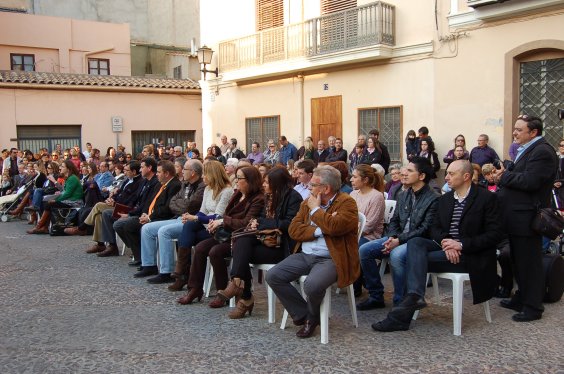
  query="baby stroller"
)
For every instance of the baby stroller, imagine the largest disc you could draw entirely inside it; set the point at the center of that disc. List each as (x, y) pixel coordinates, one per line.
(557, 245)
(8, 202)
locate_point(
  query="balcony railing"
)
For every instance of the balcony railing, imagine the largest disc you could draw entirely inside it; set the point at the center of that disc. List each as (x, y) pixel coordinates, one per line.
(371, 24)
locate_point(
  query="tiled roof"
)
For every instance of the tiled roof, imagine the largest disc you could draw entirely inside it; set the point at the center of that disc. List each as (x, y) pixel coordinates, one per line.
(8, 76)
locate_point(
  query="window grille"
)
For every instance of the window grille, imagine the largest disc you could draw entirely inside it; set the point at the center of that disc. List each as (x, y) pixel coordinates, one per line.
(261, 129)
(388, 122)
(542, 94)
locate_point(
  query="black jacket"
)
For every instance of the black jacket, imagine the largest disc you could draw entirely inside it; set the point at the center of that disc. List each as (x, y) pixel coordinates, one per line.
(285, 212)
(526, 186)
(143, 200)
(421, 214)
(128, 195)
(480, 232)
(161, 209)
(317, 158)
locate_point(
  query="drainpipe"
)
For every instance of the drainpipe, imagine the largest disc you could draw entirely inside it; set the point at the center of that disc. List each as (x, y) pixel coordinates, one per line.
(302, 110)
(93, 53)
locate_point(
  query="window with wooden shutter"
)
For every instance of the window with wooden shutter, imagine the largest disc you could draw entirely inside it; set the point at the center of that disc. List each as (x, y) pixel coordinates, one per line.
(332, 6)
(270, 13)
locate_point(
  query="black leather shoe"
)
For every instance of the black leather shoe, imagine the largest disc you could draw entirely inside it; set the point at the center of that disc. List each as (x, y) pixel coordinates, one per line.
(387, 325)
(146, 271)
(412, 302)
(511, 304)
(369, 304)
(161, 278)
(526, 317)
(503, 293)
(134, 263)
(307, 329)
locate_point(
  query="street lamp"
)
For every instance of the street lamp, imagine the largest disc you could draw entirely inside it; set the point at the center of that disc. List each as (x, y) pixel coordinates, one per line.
(204, 57)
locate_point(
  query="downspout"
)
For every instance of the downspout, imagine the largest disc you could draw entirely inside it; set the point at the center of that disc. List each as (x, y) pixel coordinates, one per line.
(302, 110)
(93, 53)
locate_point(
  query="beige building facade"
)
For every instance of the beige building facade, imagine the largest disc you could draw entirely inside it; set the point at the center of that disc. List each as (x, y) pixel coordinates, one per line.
(65, 81)
(465, 67)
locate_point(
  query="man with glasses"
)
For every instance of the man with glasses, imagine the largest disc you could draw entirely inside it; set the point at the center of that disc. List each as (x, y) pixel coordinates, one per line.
(325, 229)
(156, 207)
(104, 178)
(524, 187)
(187, 200)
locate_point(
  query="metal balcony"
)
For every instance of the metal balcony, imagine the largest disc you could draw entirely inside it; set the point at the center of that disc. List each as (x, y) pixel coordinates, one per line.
(369, 25)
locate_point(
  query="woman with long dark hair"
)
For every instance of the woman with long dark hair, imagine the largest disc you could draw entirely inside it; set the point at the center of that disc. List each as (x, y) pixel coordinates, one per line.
(216, 152)
(247, 203)
(282, 203)
(70, 197)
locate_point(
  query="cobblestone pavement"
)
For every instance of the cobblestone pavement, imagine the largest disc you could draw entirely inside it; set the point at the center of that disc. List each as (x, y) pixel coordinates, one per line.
(64, 311)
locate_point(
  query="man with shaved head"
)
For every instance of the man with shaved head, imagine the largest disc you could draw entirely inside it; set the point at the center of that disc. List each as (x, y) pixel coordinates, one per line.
(463, 239)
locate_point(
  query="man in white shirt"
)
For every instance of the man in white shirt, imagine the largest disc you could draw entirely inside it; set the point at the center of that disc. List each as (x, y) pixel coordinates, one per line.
(305, 172)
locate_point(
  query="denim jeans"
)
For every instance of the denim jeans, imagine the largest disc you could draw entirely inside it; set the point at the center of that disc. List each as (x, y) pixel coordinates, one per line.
(165, 231)
(371, 251)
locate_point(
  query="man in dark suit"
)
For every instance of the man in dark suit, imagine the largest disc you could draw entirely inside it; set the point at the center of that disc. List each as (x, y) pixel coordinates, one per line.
(156, 208)
(126, 195)
(525, 186)
(321, 154)
(464, 236)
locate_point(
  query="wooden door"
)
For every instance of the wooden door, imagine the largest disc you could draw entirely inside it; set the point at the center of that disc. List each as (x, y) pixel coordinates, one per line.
(326, 118)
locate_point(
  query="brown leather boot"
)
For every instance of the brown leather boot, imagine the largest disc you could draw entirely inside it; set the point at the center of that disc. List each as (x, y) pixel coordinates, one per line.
(43, 225)
(234, 288)
(19, 209)
(181, 270)
(32, 218)
(179, 283)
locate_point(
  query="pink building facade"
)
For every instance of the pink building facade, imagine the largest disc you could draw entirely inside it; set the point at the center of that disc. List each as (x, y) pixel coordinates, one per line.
(67, 81)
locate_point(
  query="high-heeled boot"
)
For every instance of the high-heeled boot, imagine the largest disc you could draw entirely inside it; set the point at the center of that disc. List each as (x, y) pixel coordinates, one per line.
(182, 269)
(193, 294)
(19, 209)
(242, 307)
(32, 218)
(234, 289)
(42, 226)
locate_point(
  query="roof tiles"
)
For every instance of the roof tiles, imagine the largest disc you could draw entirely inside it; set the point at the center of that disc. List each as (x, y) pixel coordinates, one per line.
(8, 76)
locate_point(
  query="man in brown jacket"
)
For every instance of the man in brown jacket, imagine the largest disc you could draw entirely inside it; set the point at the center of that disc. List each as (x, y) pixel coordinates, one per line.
(326, 229)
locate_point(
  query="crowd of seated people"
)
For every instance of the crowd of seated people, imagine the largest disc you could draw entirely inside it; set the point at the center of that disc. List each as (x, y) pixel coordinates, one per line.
(313, 198)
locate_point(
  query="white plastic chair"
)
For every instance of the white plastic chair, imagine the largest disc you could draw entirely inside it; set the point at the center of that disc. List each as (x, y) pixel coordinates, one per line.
(325, 308)
(270, 294)
(389, 212)
(458, 280)
(208, 277)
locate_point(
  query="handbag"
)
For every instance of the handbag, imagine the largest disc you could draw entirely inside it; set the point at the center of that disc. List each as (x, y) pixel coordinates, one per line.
(62, 218)
(271, 237)
(548, 222)
(221, 234)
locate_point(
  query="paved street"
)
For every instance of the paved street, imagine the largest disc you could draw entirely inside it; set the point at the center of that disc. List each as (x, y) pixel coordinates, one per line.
(63, 311)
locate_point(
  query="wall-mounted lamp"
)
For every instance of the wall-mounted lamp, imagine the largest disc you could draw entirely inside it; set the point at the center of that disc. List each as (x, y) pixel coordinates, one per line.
(204, 57)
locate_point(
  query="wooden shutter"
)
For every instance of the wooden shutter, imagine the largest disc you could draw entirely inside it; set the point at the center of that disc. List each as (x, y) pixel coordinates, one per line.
(332, 6)
(270, 13)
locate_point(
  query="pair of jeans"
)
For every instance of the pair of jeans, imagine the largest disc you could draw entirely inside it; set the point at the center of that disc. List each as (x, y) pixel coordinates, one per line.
(372, 251)
(164, 231)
